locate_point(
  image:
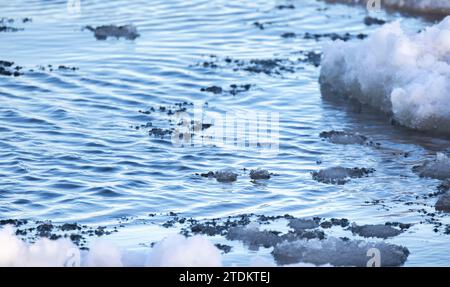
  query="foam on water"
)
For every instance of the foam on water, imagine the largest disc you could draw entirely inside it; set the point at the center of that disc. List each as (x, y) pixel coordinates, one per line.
(403, 74)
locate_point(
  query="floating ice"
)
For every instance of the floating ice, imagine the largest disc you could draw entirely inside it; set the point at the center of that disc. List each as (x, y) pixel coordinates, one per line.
(443, 203)
(225, 175)
(340, 175)
(257, 174)
(405, 75)
(253, 237)
(302, 224)
(338, 252)
(376, 230)
(344, 138)
(103, 32)
(438, 168)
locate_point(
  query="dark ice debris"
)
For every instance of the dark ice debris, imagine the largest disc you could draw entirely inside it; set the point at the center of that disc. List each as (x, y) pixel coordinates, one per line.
(402, 226)
(223, 247)
(13, 222)
(259, 174)
(261, 26)
(334, 36)
(70, 227)
(343, 222)
(275, 66)
(340, 175)
(443, 203)
(376, 230)
(369, 21)
(233, 90)
(303, 224)
(128, 32)
(46, 229)
(342, 137)
(213, 89)
(168, 110)
(62, 67)
(253, 237)
(266, 218)
(285, 6)
(221, 175)
(236, 89)
(76, 238)
(159, 132)
(288, 35)
(5, 24)
(266, 66)
(7, 68)
(312, 58)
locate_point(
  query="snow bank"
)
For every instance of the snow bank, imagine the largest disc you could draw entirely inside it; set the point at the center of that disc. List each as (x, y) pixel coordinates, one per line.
(45, 253)
(172, 251)
(179, 251)
(424, 7)
(405, 75)
(103, 254)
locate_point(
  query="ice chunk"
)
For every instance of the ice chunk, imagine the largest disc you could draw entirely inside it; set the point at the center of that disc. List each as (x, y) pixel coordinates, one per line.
(103, 32)
(302, 224)
(377, 230)
(340, 175)
(257, 174)
(345, 138)
(338, 252)
(225, 175)
(253, 237)
(406, 75)
(438, 168)
(443, 203)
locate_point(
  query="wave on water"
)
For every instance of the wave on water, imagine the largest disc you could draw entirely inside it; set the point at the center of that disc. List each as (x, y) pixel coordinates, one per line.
(422, 7)
(406, 75)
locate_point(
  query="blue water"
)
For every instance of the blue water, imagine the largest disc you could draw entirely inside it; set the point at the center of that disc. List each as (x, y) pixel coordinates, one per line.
(69, 151)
